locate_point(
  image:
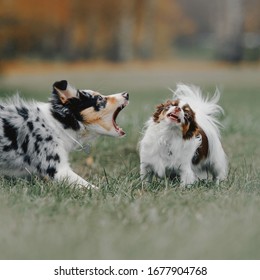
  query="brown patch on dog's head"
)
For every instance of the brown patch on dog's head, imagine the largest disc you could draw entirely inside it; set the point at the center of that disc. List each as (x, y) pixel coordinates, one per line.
(162, 109)
(190, 126)
(178, 114)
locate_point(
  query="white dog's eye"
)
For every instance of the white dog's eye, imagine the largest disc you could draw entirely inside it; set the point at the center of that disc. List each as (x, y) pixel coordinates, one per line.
(100, 98)
(187, 115)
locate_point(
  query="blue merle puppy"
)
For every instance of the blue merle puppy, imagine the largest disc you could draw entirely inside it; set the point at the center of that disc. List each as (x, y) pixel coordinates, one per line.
(35, 138)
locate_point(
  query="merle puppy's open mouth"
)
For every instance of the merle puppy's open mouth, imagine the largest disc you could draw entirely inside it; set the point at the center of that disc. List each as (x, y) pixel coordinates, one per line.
(118, 129)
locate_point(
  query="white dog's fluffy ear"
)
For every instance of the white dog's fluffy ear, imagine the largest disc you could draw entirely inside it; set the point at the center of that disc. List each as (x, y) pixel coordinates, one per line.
(64, 90)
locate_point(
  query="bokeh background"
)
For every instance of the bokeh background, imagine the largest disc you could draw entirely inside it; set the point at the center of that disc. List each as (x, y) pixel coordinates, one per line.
(123, 30)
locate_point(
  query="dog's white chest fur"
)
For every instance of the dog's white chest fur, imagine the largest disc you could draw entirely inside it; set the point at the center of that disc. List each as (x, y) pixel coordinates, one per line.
(160, 149)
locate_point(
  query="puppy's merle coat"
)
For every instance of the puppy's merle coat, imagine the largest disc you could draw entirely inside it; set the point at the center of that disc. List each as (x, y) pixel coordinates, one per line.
(36, 137)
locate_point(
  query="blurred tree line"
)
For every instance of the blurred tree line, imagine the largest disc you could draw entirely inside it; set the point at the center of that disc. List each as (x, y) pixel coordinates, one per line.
(121, 30)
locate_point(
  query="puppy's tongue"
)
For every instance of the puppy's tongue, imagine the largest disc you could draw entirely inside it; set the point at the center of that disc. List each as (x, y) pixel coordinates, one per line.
(173, 117)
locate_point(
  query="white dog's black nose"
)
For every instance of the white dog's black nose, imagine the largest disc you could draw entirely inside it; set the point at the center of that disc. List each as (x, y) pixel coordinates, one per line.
(125, 95)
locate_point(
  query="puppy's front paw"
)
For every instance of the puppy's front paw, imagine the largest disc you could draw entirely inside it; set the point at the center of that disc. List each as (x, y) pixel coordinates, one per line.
(187, 179)
(87, 186)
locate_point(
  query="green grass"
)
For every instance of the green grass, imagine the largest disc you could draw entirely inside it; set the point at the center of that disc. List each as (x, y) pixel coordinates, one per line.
(47, 220)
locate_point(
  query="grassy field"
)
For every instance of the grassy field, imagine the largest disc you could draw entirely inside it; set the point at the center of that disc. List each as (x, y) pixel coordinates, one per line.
(46, 220)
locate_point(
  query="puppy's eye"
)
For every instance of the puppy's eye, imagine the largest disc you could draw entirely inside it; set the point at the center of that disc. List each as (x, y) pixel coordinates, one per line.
(100, 98)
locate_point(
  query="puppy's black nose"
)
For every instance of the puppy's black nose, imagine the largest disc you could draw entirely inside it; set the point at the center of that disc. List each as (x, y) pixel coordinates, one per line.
(125, 95)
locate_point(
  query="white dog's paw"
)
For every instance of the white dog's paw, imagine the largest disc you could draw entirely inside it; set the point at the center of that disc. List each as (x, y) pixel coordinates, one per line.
(187, 178)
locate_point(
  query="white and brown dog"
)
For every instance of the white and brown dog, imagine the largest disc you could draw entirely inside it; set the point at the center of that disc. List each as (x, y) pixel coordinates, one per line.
(182, 139)
(36, 137)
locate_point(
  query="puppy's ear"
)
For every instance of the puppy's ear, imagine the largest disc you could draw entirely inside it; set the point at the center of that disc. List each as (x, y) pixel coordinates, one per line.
(157, 113)
(64, 90)
(159, 109)
(190, 128)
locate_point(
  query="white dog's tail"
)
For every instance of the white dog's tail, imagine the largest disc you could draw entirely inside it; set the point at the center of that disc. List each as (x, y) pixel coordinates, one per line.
(207, 112)
(206, 109)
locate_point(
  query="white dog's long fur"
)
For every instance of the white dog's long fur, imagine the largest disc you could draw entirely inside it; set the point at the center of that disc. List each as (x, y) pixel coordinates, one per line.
(166, 151)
